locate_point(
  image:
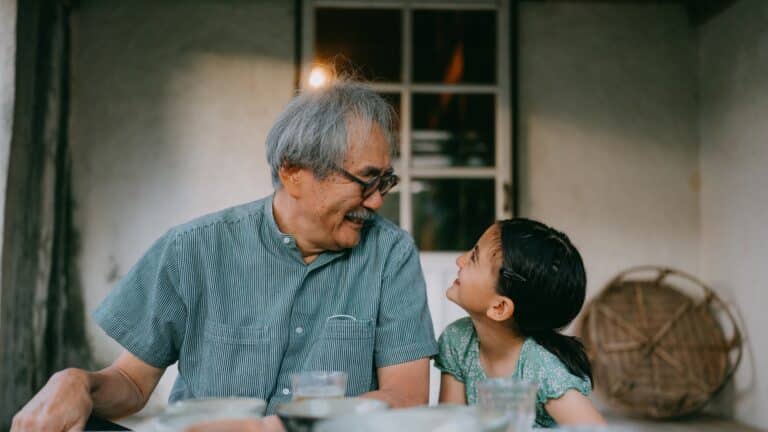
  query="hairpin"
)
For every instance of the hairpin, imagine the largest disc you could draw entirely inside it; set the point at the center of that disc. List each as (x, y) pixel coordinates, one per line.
(511, 274)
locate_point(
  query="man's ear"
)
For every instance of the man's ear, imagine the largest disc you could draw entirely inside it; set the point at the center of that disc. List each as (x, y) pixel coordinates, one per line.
(290, 178)
(501, 309)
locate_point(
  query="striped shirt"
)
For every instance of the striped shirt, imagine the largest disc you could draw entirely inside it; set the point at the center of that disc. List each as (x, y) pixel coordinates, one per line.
(230, 298)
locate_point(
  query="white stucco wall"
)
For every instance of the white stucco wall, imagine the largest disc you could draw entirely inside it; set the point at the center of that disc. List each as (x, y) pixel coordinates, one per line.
(733, 70)
(7, 87)
(171, 103)
(608, 141)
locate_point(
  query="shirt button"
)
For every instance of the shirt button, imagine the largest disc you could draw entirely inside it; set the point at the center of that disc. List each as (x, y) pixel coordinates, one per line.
(286, 391)
(299, 330)
(287, 240)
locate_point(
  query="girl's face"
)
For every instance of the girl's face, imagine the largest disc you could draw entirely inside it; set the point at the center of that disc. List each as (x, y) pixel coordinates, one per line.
(475, 286)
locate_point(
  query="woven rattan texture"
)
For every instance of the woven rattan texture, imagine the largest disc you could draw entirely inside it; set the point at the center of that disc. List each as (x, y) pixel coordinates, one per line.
(657, 351)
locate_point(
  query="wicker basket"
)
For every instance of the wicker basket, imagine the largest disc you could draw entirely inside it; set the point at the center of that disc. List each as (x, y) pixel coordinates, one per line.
(661, 342)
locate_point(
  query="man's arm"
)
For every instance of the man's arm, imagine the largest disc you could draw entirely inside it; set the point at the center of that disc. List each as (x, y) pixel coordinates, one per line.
(403, 385)
(68, 398)
(124, 387)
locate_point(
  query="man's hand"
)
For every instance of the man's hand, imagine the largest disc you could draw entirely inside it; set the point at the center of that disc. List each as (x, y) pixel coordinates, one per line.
(63, 404)
(66, 401)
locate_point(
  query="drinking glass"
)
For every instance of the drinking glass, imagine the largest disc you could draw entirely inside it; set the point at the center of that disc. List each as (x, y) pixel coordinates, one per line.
(318, 384)
(506, 404)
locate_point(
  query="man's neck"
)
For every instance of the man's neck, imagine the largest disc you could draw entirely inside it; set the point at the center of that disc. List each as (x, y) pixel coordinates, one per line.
(499, 346)
(290, 221)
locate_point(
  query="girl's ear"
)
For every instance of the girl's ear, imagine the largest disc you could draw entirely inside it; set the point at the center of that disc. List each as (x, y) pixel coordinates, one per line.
(501, 309)
(290, 178)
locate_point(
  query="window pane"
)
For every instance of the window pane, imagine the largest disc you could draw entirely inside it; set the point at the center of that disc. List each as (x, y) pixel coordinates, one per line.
(453, 130)
(391, 207)
(360, 41)
(451, 214)
(454, 47)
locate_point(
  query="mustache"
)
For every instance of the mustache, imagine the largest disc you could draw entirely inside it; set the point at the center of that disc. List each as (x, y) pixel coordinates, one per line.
(362, 214)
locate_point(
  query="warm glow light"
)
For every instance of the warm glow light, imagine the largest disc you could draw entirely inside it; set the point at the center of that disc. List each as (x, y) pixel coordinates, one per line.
(318, 77)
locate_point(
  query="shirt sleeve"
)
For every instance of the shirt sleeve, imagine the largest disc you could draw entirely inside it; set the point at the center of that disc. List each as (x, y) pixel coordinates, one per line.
(404, 326)
(144, 312)
(448, 359)
(555, 379)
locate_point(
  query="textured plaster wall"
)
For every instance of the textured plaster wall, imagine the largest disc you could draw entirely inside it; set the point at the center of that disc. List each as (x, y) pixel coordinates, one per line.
(171, 103)
(733, 124)
(608, 139)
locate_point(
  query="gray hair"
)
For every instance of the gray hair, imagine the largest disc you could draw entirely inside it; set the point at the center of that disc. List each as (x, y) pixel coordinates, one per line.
(313, 130)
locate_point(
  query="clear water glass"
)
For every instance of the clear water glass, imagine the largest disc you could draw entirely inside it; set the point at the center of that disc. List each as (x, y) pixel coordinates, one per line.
(318, 384)
(506, 404)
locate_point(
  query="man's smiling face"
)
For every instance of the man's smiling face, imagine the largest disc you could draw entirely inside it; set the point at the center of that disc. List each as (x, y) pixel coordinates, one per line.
(336, 205)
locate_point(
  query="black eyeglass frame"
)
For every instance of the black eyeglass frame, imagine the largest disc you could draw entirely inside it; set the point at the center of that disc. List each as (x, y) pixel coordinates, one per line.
(383, 182)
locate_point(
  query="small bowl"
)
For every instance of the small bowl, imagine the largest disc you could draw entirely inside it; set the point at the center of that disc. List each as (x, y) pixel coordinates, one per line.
(241, 406)
(301, 415)
(443, 418)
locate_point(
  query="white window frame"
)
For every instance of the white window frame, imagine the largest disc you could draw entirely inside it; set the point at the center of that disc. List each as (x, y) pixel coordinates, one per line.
(502, 171)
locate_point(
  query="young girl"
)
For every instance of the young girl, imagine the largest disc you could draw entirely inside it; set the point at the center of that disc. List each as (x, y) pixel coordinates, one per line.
(520, 283)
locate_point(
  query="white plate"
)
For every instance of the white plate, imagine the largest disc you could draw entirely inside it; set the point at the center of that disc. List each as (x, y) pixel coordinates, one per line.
(251, 407)
(330, 407)
(181, 415)
(422, 419)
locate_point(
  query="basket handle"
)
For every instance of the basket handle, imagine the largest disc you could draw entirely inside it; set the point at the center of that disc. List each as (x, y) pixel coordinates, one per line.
(735, 340)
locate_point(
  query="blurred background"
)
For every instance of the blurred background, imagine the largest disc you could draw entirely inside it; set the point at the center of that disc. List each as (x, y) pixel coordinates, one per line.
(636, 127)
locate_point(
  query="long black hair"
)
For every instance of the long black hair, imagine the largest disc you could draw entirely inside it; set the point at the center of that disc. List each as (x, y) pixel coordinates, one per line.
(543, 274)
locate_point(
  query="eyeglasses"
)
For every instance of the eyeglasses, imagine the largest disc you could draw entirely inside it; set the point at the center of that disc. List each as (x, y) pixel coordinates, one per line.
(382, 182)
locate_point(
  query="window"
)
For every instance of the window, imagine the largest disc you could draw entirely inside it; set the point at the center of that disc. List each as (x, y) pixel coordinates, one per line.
(444, 66)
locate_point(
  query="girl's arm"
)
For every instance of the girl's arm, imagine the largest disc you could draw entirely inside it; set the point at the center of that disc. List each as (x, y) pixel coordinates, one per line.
(572, 408)
(452, 390)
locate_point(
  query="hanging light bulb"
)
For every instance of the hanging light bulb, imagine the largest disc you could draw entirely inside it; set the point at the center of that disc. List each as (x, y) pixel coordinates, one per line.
(318, 77)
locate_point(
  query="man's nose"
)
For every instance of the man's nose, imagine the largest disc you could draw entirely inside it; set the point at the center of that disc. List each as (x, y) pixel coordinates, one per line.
(374, 201)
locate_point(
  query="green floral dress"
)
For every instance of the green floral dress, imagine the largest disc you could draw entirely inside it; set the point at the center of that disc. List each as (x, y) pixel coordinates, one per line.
(459, 356)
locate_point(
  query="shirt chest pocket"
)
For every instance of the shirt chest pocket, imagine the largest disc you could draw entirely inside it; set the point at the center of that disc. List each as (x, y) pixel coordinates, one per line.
(346, 345)
(235, 361)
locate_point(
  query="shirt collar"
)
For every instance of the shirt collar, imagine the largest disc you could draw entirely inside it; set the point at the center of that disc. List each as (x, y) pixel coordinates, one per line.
(282, 243)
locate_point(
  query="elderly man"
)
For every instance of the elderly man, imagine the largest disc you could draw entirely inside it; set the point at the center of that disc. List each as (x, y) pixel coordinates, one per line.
(309, 278)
